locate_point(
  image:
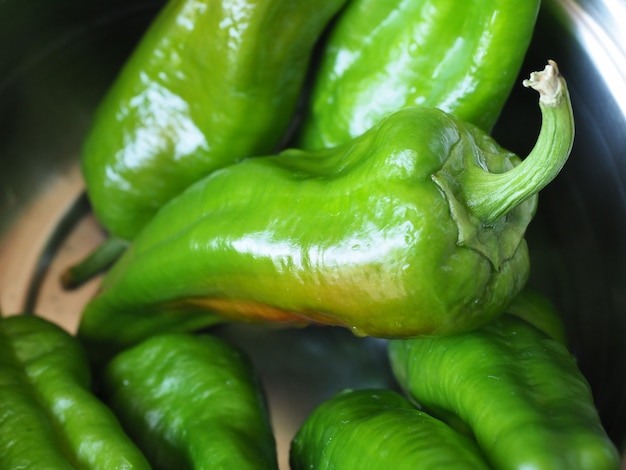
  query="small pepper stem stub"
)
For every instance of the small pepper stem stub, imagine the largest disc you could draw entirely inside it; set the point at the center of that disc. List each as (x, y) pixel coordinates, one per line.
(547, 83)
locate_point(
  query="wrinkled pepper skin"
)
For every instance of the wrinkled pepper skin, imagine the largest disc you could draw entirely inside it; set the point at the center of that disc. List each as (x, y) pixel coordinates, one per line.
(379, 430)
(518, 391)
(211, 82)
(192, 402)
(49, 418)
(462, 57)
(359, 236)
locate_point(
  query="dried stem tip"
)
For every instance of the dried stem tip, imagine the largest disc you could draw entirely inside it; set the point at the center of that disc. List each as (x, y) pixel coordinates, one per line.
(547, 83)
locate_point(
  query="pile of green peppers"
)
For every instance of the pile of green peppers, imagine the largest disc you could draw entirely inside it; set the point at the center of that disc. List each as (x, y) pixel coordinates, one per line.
(304, 163)
(49, 416)
(504, 396)
(174, 401)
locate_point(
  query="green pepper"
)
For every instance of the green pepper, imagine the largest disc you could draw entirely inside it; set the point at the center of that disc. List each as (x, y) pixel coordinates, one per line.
(518, 391)
(462, 57)
(210, 82)
(379, 429)
(415, 227)
(191, 402)
(536, 309)
(49, 417)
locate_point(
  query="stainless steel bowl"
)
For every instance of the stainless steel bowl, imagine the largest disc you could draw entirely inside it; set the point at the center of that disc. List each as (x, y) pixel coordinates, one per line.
(56, 62)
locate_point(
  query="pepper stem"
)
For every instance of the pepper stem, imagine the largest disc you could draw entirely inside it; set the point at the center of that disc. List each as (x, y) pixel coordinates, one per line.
(96, 262)
(492, 195)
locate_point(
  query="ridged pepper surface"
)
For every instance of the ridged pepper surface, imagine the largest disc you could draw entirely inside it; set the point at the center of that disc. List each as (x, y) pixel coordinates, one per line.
(192, 402)
(516, 390)
(49, 417)
(379, 430)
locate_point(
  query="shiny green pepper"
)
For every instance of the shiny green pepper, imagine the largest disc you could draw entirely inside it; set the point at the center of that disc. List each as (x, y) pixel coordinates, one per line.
(517, 391)
(536, 309)
(49, 418)
(461, 57)
(191, 402)
(415, 227)
(379, 429)
(210, 83)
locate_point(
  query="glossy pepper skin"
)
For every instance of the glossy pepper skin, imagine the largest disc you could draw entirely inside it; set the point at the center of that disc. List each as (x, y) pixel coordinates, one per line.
(462, 57)
(389, 235)
(379, 430)
(537, 309)
(191, 402)
(518, 391)
(49, 418)
(210, 83)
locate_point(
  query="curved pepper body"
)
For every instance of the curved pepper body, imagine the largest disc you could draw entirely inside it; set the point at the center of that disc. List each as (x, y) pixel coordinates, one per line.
(379, 429)
(414, 228)
(49, 417)
(211, 82)
(518, 391)
(462, 57)
(191, 401)
(358, 236)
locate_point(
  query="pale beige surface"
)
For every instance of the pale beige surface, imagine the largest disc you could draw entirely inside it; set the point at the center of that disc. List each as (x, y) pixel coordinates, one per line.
(22, 246)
